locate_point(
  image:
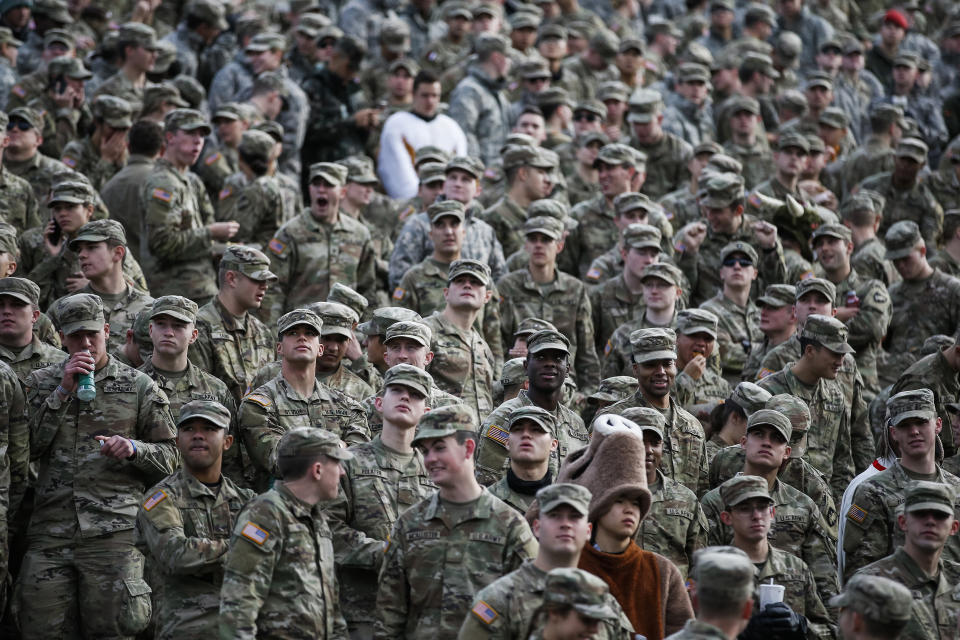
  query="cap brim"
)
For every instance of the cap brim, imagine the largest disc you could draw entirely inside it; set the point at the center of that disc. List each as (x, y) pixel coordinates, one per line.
(654, 355)
(640, 118)
(772, 302)
(91, 237)
(339, 453)
(896, 254)
(596, 611)
(300, 324)
(256, 48)
(173, 314)
(85, 325)
(604, 396)
(329, 330)
(715, 203)
(786, 436)
(749, 495)
(408, 336)
(556, 345)
(398, 48)
(547, 232)
(412, 385)
(840, 600)
(19, 296)
(119, 123)
(929, 506)
(365, 179)
(329, 177)
(916, 157)
(698, 329)
(84, 75)
(222, 424)
(428, 434)
(366, 328)
(264, 275)
(906, 415)
(547, 507)
(838, 347)
(196, 127)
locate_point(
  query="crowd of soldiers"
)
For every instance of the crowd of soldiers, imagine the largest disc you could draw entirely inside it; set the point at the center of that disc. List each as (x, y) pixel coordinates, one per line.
(474, 319)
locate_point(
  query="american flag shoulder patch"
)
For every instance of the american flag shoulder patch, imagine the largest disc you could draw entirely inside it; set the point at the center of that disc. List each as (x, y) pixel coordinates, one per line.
(254, 534)
(497, 434)
(763, 373)
(608, 348)
(276, 246)
(154, 500)
(398, 293)
(754, 199)
(485, 612)
(225, 193)
(70, 162)
(20, 91)
(213, 157)
(857, 514)
(160, 194)
(593, 273)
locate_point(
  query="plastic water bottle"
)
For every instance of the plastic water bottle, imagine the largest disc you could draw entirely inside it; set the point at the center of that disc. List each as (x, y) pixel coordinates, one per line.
(86, 390)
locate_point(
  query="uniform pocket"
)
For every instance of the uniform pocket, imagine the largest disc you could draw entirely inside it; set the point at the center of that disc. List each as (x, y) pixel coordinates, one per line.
(135, 610)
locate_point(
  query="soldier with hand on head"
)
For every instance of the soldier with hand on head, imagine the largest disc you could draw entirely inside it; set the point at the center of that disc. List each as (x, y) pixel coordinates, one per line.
(102, 153)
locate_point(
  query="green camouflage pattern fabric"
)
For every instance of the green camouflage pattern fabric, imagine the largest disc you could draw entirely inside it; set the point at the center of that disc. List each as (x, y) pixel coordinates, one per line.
(507, 219)
(737, 332)
(613, 304)
(873, 156)
(511, 497)
(275, 408)
(757, 161)
(217, 163)
(491, 454)
(21, 208)
(80, 155)
(694, 629)
(39, 171)
(176, 212)
(193, 383)
(36, 355)
(680, 207)
(378, 486)
(933, 372)
(675, 526)
(231, 349)
(667, 165)
(347, 382)
(79, 491)
(258, 208)
(916, 203)
(14, 465)
(437, 560)
(438, 398)
(618, 353)
(279, 572)
(871, 531)
(868, 327)
(800, 592)
(119, 311)
(869, 261)
(51, 273)
(700, 396)
(186, 527)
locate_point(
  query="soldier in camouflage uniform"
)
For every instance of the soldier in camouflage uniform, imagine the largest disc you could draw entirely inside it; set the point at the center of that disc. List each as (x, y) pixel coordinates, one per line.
(339, 322)
(680, 206)
(871, 531)
(8, 73)
(748, 510)
(131, 78)
(100, 155)
(374, 333)
(777, 323)
(14, 466)
(724, 578)
(441, 552)
(876, 153)
(219, 159)
(876, 603)
(546, 364)
(20, 346)
(529, 450)
(78, 447)
(441, 54)
(675, 526)
(699, 388)
(667, 154)
(23, 159)
(295, 398)
(279, 571)
(654, 366)
(21, 208)
(745, 144)
(385, 478)
(186, 522)
(179, 232)
(946, 258)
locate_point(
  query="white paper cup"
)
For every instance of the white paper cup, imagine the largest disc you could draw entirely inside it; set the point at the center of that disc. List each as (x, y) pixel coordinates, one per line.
(770, 593)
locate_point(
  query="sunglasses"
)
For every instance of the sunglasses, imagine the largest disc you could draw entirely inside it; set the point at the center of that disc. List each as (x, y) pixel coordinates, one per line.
(743, 262)
(585, 117)
(23, 125)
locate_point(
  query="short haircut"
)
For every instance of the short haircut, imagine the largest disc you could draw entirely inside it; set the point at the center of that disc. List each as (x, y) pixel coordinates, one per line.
(424, 76)
(295, 467)
(462, 436)
(862, 217)
(531, 109)
(716, 605)
(145, 138)
(807, 342)
(885, 630)
(259, 165)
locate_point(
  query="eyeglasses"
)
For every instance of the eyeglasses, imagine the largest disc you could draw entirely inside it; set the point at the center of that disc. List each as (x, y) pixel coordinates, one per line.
(743, 262)
(23, 125)
(585, 117)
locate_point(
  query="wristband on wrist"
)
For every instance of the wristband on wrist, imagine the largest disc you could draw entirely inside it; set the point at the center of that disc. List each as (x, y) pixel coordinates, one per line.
(63, 392)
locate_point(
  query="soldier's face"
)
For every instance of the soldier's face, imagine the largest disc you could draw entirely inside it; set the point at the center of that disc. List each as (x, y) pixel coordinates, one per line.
(93, 341)
(906, 169)
(460, 186)
(695, 91)
(833, 253)
(447, 233)
(524, 38)
(790, 161)
(466, 292)
(765, 447)
(571, 625)
(446, 459)
(334, 349)
(750, 519)
(324, 198)
(587, 154)
(401, 406)
(911, 266)
(359, 195)
(658, 294)
(813, 302)
(723, 219)
(457, 27)
(268, 60)
(743, 123)
(623, 518)
(17, 18)
(170, 336)
(300, 344)
(656, 376)
(819, 97)
(202, 443)
(247, 291)
(733, 271)
(407, 351)
(229, 131)
(892, 34)
(185, 146)
(97, 258)
(531, 124)
(696, 344)
(562, 530)
(632, 216)
(547, 369)
(775, 319)
(553, 48)
(916, 437)
(71, 216)
(400, 84)
(141, 58)
(629, 62)
(16, 321)
(329, 480)
(853, 61)
(538, 182)
(653, 446)
(648, 132)
(826, 363)
(431, 191)
(927, 530)
(542, 249)
(529, 443)
(614, 179)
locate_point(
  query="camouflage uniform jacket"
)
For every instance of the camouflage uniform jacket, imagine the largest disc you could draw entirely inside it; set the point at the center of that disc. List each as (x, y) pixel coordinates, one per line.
(379, 484)
(480, 106)
(618, 354)
(191, 384)
(935, 373)
(921, 308)
(757, 161)
(869, 261)
(579, 190)
(279, 572)
(868, 327)
(684, 447)
(511, 497)
(612, 304)
(872, 532)
(936, 599)
(462, 364)
(667, 161)
(186, 526)
(309, 256)
(680, 207)
(119, 86)
(946, 263)
(36, 355)
(82, 156)
(563, 302)
(828, 440)
(440, 55)
(798, 528)
(786, 569)
(515, 599)
(60, 126)
(916, 203)
(675, 526)
(874, 156)
(20, 208)
(700, 396)
(80, 491)
(584, 80)
(571, 434)
(347, 382)
(14, 464)
(507, 219)
(119, 311)
(694, 629)
(230, 348)
(176, 212)
(217, 163)
(437, 560)
(945, 187)
(258, 207)
(738, 331)
(38, 171)
(438, 398)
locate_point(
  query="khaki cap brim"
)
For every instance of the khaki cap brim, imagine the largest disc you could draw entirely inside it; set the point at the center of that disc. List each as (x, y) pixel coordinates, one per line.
(339, 453)
(17, 295)
(86, 237)
(906, 415)
(751, 494)
(546, 346)
(408, 336)
(716, 203)
(596, 611)
(547, 232)
(332, 330)
(329, 177)
(264, 275)
(419, 388)
(84, 325)
(603, 395)
(428, 434)
(896, 254)
(695, 329)
(119, 123)
(929, 506)
(367, 178)
(772, 302)
(173, 314)
(838, 347)
(548, 506)
(654, 355)
(68, 199)
(195, 126)
(640, 118)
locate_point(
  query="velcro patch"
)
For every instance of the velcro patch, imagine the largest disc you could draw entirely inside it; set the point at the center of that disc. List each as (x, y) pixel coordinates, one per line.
(225, 193)
(484, 611)
(763, 373)
(154, 500)
(408, 212)
(857, 514)
(593, 274)
(498, 435)
(20, 91)
(806, 274)
(490, 174)
(260, 399)
(276, 246)
(160, 194)
(755, 200)
(213, 158)
(398, 293)
(608, 348)
(254, 534)
(70, 162)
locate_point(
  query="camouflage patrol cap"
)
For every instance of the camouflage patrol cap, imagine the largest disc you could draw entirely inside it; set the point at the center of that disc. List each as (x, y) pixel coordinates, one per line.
(664, 271)
(906, 59)
(693, 321)
(720, 163)
(310, 24)
(834, 117)
(430, 172)
(913, 148)
(798, 413)
(489, 43)
(249, 261)
(887, 113)
(469, 164)
(138, 34)
(116, 112)
(456, 9)
(475, 268)
(613, 90)
(644, 105)
(407, 64)
(749, 397)
(552, 30)
(444, 421)
(641, 236)
(256, 145)
(721, 190)
(929, 496)
(186, 120)
(71, 192)
(631, 201)
(525, 156)
(901, 239)
(267, 41)
(819, 79)
(338, 319)
(741, 488)
(820, 285)
(8, 233)
(693, 72)
(541, 417)
(647, 418)
(211, 12)
(739, 247)
(583, 591)
(409, 376)
(880, 600)
(828, 331)
(553, 209)
(533, 69)
(791, 140)
(831, 230)
(615, 389)
(915, 403)
(936, 342)
(615, 154)
(726, 577)
(816, 144)
(310, 441)
(444, 208)
(176, 307)
(793, 100)
(513, 372)
(80, 312)
(141, 333)
(359, 169)
(653, 344)
(384, 317)
(166, 55)
(332, 173)
(525, 19)
(707, 147)
(100, 231)
(20, 288)
(54, 10)
(550, 227)
(856, 202)
(28, 115)
(529, 326)
(778, 296)
(547, 339)
(552, 97)
(193, 92)
(771, 418)
(517, 138)
(761, 13)
(163, 94)
(272, 81)
(740, 103)
(605, 42)
(6, 37)
(411, 330)
(554, 495)
(343, 294)
(209, 410)
(487, 8)
(788, 46)
(68, 66)
(395, 36)
(298, 317)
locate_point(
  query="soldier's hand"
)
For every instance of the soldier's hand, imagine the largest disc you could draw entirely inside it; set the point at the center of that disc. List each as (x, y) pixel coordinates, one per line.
(79, 363)
(845, 313)
(52, 249)
(693, 236)
(776, 620)
(75, 282)
(65, 99)
(766, 234)
(696, 367)
(116, 447)
(223, 231)
(354, 350)
(367, 118)
(113, 148)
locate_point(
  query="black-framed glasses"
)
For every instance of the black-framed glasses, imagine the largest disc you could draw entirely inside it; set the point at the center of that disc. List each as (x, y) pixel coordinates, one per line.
(586, 117)
(23, 125)
(743, 262)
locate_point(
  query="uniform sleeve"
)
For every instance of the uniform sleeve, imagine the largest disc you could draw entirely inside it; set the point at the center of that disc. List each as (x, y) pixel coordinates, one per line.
(490, 329)
(161, 524)
(15, 441)
(393, 594)
(586, 363)
(866, 536)
(817, 551)
(521, 545)
(409, 249)
(696, 534)
(367, 272)
(163, 217)
(283, 260)
(475, 627)
(816, 613)
(201, 351)
(870, 324)
(353, 547)
(463, 109)
(862, 446)
(46, 411)
(260, 430)
(156, 451)
(843, 458)
(491, 449)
